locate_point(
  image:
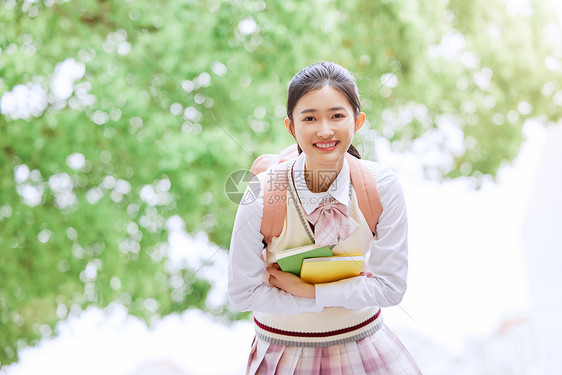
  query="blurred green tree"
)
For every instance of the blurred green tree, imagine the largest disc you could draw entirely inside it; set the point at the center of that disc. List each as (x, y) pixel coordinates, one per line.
(116, 116)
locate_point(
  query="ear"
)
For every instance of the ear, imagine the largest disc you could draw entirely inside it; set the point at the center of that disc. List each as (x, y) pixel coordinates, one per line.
(290, 127)
(359, 121)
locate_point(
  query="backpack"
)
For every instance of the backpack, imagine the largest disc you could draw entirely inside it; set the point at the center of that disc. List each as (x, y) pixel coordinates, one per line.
(275, 190)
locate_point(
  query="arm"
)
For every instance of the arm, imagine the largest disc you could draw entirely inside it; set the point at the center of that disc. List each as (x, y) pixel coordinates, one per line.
(246, 289)
(387, 258)
(290, 283)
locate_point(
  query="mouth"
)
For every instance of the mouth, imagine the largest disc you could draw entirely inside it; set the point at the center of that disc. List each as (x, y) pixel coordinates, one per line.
(326, 146)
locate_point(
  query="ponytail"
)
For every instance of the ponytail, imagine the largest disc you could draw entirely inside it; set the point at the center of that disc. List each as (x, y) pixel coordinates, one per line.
(353, 151)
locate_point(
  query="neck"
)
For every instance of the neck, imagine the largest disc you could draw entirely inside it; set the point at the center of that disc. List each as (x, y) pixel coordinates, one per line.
(319, 179)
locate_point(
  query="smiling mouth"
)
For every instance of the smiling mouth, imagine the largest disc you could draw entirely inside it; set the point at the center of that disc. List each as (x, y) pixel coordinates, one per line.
(326, 145)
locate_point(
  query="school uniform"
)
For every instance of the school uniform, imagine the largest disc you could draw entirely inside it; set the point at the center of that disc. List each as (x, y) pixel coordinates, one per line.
(341, 330)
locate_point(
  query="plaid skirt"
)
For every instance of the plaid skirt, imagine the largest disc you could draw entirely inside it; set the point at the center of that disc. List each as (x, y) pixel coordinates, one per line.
(380, 353)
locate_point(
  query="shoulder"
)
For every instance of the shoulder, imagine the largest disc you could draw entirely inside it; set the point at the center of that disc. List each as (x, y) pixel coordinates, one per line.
(389, 189)
(275, 176)
(384, 175)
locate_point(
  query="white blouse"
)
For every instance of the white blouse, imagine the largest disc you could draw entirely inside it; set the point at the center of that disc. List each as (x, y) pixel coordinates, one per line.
(387, 257)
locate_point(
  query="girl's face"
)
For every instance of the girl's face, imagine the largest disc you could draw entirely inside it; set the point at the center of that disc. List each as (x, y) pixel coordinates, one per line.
(323, 126)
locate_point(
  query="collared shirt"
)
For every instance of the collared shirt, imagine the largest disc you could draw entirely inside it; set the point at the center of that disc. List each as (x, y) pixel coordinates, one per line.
(339, 189)
(387, 256)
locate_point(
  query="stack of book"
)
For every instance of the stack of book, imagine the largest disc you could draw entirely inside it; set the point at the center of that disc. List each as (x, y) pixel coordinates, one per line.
(318, 265)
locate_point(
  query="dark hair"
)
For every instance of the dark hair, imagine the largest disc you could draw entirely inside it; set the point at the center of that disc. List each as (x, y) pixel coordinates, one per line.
(315, 77)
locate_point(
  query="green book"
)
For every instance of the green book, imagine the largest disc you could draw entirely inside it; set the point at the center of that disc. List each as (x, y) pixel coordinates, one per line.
(290, 260)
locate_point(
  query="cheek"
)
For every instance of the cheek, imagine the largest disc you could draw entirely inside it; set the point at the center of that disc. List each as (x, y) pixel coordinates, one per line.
(302, 132)
(347, 131)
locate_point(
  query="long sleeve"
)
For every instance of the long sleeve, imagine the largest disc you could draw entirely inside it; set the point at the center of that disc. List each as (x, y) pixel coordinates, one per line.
(387, 257)
(246, 289)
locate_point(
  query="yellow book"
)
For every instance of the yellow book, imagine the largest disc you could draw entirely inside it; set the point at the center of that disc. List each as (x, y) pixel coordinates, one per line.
(328, 269)
(291, 260)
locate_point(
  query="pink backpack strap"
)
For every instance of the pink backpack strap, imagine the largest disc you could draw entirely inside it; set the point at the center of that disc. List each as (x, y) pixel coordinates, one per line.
(366, 191)
(274, 201)
(263, 162)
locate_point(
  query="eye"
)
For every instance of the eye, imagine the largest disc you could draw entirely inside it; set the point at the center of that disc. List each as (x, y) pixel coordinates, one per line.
(309, 118)
(339, 115)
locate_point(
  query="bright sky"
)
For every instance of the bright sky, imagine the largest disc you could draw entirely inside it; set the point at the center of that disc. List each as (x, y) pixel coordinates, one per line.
(467, 262)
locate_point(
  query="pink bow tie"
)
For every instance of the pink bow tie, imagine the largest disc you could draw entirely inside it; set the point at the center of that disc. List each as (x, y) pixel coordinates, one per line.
(331, 222)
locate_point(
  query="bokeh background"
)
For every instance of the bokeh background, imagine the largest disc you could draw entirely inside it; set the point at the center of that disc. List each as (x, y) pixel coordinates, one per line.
(121, 122)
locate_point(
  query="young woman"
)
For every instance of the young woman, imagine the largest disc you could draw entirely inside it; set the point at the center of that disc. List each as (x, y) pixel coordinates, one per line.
(330, 328)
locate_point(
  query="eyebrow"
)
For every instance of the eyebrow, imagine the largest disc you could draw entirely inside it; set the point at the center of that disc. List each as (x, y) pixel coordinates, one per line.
(339, 108)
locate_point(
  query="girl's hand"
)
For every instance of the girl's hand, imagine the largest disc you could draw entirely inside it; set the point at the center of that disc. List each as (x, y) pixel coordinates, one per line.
(290, 283)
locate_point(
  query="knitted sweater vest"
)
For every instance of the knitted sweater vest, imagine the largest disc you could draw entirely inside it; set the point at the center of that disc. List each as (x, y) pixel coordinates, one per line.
(333, 325)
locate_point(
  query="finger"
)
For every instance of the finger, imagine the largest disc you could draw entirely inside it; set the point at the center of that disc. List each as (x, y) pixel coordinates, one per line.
(266, 277)
(273, 271)
(274, 281)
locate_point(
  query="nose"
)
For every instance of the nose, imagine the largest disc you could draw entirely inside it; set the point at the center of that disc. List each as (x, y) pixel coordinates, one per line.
(325, 129)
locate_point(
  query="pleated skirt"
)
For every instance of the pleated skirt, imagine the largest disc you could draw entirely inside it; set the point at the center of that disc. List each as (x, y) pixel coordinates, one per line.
(378, 354)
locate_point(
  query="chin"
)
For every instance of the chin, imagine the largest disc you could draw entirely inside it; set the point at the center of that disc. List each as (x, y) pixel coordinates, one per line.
(325, 159)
